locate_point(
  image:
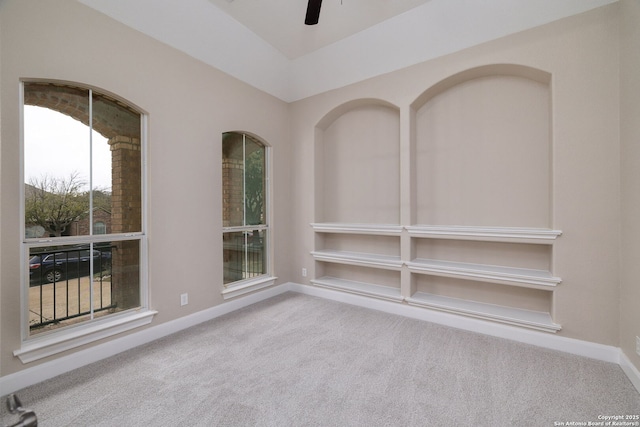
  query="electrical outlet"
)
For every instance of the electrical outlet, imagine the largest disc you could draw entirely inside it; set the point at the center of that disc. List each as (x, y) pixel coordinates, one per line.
(638, 345)
(184, 299)
(304, 272)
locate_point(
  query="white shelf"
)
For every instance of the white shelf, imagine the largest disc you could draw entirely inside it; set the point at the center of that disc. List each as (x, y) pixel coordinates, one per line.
(523, 277)
(487, 234)
(367, 289)
(360, 259)
(371, 229)
(514, 316)
(520, 277)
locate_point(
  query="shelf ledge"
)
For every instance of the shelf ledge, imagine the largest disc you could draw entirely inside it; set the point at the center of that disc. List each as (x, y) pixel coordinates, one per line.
(523, 277)
(360, 259)
(360, 288)
(513, 316)
(488, 234)
(345, 228)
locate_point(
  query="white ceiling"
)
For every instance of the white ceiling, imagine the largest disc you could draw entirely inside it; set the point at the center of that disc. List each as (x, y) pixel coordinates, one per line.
(266, 44)
(281, 22)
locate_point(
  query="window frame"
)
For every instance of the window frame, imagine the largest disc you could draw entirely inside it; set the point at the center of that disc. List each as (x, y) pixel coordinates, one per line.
(241, 287)
(37, 346)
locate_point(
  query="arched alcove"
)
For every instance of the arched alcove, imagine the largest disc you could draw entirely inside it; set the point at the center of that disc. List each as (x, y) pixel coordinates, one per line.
(476, 239)
(358, 163)
(483, 149)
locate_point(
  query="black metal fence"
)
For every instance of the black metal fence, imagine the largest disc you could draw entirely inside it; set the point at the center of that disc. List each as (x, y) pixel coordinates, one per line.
(61, 286)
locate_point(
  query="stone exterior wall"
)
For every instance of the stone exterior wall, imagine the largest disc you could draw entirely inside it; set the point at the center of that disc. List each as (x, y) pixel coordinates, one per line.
(110, 117)
(126, 204)
(126, 192)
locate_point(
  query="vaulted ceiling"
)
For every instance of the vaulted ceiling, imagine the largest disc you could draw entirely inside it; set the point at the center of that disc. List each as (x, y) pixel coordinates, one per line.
(281, 22)
(266, 44)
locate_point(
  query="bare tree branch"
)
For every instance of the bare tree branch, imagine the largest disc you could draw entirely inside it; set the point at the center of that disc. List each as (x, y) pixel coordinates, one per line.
(54, 203)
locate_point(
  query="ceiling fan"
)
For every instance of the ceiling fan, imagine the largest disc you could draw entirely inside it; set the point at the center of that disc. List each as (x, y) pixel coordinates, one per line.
(313, 12)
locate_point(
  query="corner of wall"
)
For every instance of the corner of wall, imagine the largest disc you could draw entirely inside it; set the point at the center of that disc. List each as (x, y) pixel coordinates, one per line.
(629, 320)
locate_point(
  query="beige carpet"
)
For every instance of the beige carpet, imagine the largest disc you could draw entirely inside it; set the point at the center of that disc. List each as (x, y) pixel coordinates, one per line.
(296, 360)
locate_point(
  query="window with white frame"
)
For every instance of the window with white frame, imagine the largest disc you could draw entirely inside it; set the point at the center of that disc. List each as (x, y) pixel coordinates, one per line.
(83, 206)
(245, 209)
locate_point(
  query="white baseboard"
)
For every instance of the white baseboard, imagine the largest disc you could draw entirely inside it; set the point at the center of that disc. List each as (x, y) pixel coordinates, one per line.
(36, 374)
(631, 371)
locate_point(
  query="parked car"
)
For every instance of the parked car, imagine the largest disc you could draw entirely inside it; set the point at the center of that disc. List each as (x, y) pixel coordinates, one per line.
(57, 266)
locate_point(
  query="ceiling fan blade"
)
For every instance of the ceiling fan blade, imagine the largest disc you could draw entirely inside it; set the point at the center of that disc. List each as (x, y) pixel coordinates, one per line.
(313, 12)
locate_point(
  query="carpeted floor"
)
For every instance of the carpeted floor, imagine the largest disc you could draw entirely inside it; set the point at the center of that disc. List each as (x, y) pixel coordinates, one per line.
(296, 360)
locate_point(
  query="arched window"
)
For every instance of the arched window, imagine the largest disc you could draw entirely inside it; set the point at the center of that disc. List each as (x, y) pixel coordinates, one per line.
(82, 168)
(245, 210)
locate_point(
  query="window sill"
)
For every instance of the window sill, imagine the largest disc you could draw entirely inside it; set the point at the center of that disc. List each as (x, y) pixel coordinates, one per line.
(247, 286)
(41, 347)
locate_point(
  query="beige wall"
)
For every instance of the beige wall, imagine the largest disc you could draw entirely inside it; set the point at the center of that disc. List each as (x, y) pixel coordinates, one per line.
(189, 106)
(359, 151)
(581, 56)
(483, 153)
(630, 142)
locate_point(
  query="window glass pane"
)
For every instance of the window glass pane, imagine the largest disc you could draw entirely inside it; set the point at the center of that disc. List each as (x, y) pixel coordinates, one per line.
(233, 258)
(254, 182)
(56, 159)
(72, 283)
(125, 274)
(244, 255)
(117, 166)
(61, 283)
(75, 151)
(232, 179)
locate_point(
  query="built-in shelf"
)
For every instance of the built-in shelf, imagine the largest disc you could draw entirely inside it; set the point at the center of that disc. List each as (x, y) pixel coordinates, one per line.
(387, 262)
(486, 234)
(502, 275)
(370, 229)
(524, 277)
(514, 316)
(360, 288)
